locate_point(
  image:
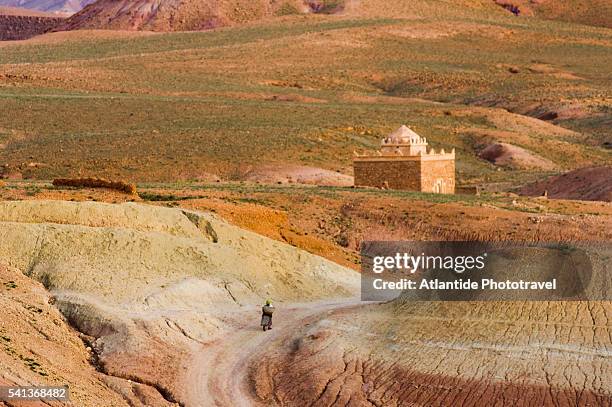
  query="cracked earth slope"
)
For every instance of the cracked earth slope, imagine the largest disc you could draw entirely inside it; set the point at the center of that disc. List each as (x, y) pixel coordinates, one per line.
(445, 354)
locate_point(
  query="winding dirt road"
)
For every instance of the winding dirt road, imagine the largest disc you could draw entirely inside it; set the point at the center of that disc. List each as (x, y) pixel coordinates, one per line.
(218, 374)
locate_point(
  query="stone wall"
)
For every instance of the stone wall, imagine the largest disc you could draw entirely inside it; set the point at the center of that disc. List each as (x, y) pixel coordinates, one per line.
(438, 176)
(392, 173)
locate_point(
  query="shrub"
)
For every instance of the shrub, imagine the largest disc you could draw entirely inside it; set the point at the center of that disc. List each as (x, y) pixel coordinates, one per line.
(96, 183)
(287, 10)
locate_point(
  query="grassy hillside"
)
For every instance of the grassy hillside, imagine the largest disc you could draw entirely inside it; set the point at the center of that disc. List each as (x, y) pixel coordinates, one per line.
(306, 90)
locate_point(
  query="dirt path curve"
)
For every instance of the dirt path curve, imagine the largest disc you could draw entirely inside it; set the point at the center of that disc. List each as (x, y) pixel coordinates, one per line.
(218, 374)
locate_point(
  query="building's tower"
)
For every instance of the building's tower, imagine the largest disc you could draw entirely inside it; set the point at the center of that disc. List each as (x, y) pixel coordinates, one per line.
(404, 141)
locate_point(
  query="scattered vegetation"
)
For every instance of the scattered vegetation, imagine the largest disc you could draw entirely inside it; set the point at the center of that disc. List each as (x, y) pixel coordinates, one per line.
(287, 9)
(156, 197)
(10, 285)
(33, 365)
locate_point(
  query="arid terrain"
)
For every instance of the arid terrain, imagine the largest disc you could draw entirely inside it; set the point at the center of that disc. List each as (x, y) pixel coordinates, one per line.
(191, 331)
(236, 121)
(191, 277)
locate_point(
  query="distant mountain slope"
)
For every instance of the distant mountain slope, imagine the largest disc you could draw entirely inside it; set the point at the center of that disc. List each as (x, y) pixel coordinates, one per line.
(62, 6)
(20, 24)
(176, 15)
(184, 15)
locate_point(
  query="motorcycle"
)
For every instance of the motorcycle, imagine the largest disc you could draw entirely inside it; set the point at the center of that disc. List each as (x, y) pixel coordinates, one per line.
(266, 317)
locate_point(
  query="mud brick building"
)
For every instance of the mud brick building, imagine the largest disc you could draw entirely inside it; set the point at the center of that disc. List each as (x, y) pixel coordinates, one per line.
(403, 162)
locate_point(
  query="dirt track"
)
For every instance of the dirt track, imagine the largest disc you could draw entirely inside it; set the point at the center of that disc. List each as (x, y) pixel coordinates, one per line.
(219, 375)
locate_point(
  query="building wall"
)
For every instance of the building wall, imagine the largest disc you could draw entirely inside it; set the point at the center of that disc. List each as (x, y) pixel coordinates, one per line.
(397, 174)
(428, 175)
(438, 176)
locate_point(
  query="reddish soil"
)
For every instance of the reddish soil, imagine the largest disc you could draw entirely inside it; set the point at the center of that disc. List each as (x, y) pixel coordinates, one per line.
(589, 184)
(218, 374)
(332, 224)
(337, 353)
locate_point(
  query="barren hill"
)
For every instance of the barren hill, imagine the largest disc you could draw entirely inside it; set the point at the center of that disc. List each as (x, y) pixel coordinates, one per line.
(176, 15)
(591, 184)
(36, 344)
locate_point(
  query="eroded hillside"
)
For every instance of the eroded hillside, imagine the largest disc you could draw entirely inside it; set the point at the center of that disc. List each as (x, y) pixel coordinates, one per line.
(148, 286)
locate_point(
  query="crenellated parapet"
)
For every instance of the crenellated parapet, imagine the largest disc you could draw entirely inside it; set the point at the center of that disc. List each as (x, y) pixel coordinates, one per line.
(404, 142)
(428, 154)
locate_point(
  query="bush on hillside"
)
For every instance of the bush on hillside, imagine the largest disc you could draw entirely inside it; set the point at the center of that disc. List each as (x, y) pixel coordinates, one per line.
(122, 186)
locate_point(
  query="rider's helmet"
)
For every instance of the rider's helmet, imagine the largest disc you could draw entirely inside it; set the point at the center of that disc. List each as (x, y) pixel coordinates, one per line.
(268, 302)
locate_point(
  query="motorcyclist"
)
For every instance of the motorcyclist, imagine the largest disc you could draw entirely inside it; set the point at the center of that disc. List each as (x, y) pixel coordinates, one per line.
(266, 315)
